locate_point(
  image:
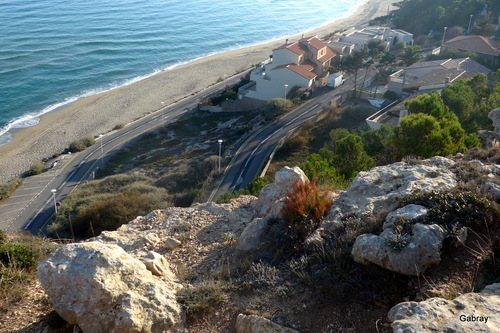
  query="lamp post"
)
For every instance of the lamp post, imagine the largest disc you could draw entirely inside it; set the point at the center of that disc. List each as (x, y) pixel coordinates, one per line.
(162, 118)
(286, 86)
(470, 22)
(102, 150)
(442, 41)
(220, 144)
(54, 197)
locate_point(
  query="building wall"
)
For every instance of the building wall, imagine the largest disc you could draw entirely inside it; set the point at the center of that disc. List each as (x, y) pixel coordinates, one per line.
(275, 88)
(283, 57)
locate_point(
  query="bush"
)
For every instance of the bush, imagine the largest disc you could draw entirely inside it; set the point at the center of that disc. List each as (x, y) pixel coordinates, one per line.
(36, 169)
(109, 214)
(6, 189)
(81, 144)
(16, 255)
(304, 207)
(201, 297)
(391, 95)
(119, 126)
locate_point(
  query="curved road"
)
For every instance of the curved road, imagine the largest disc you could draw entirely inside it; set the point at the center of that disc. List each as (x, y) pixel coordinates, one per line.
(248, 162)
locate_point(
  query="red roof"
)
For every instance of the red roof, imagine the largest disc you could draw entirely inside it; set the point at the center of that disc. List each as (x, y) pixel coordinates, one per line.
(329, 55)
(301, 70)
(314, 42)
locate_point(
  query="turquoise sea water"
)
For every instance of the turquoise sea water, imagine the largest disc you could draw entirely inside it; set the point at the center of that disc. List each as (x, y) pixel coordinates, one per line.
(55, 51)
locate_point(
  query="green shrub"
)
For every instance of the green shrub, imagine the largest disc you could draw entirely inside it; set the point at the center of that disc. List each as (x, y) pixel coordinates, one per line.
(6, 189)
(81, 144)
(109, 214)
(203, 296)
(36, 169)
(16, 255)
(119, 126)
(391, 95)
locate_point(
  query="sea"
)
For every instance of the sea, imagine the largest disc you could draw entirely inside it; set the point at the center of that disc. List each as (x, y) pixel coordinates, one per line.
(53, 52)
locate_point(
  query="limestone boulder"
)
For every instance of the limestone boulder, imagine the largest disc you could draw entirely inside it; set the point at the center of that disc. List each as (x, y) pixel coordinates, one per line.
(408, 213)
(256, 324)
(101, 288)
(494, 115)
(409, 255)
(471, 312)
(271, 197)
(252, 235)
(376, 193)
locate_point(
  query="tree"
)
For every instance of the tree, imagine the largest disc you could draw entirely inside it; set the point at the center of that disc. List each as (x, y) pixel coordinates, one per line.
(411, 55)
(351, 157)
(351, 64)
(423, 135)
(320, 168)
(430, 104)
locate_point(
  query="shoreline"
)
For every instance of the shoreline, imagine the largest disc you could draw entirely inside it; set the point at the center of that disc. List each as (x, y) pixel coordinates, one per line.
(98, 114)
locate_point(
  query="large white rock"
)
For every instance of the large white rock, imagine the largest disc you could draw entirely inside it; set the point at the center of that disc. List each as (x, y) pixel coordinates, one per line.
(252, 235)
(471, 312)
(494, 115)
(256, 324)
(421, 251)
(408, 212)
(101, 288)
(271, 197)
(375, 193)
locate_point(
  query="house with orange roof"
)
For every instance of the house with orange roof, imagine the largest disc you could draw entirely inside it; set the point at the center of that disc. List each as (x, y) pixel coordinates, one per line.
(302, 64)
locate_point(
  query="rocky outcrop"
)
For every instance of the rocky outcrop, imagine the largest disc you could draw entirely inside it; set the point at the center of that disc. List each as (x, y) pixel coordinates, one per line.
(410, 255)
(494, 115)
(101, 288)
(256, 324)
(375, 193)
(269, 205)
(406, 213)
(271, 197)
(471, 312)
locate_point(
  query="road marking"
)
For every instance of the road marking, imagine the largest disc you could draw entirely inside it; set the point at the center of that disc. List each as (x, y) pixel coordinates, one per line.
(11, 211)
(15, 203)
(29, 188)
(21, 195)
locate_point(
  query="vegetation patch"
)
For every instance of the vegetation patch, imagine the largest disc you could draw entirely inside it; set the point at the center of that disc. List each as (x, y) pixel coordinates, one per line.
(6, 189)
(19, 258)
(81, 144)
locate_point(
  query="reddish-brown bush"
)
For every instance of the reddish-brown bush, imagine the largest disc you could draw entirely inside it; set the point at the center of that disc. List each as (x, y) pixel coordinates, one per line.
(305, 205)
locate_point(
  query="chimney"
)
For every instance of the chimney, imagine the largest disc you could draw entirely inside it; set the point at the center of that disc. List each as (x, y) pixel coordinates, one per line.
(286, 42)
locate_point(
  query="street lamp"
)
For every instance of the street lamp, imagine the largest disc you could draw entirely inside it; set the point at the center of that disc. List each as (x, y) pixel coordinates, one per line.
(442, 42)
(286, 86)
(470, 22)
(54, 197)
(162, 118)
(220, 144)
(102, 150)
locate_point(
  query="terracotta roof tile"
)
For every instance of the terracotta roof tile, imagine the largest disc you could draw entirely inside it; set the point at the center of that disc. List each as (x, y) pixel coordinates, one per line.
(477, 44)
(301, 70)
(329, 55)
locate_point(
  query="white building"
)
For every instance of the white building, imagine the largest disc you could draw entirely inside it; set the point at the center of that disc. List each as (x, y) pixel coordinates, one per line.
(301, 64)
(361, 38)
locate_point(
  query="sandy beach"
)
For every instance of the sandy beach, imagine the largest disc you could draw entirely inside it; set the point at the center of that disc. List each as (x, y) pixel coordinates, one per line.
(100, 113)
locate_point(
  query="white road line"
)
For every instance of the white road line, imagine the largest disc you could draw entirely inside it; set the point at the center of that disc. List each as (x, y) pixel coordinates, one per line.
(22, 195)
(15, 203)
(11, 211)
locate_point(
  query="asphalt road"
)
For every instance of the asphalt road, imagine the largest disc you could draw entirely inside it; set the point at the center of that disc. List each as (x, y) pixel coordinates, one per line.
(250, 159)
(32, 206)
